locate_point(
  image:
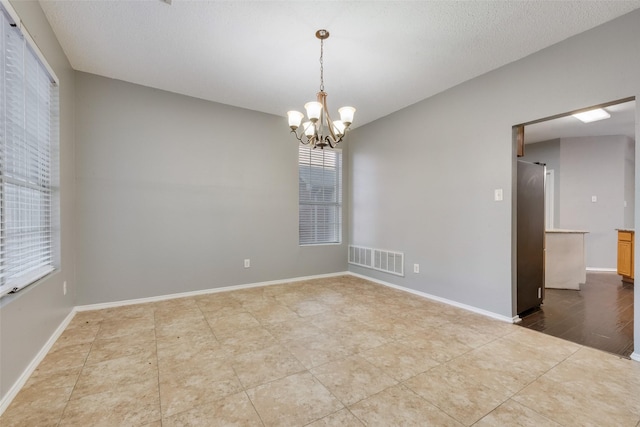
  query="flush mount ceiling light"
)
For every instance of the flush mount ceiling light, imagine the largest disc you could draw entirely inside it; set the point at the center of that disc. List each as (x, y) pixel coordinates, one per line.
(592, 115)
(319, 130)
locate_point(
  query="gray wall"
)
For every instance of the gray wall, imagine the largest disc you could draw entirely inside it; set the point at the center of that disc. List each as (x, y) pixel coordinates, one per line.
(174, 192)
(29, 318)
(629, 183)
(601, 166)
(423, 178)
(594, 166)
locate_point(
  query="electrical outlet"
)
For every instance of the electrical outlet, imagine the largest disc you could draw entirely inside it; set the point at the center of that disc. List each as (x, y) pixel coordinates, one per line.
(416, 268)
(247, 263)
(594, 199)
(64, 287)
(497, 194)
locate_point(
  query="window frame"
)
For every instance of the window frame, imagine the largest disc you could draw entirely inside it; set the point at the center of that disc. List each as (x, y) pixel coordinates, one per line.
(332, 202)
(35, 142)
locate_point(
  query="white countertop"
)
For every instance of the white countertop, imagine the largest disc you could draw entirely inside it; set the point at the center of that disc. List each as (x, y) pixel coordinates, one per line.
(559, 230)
(631, 230)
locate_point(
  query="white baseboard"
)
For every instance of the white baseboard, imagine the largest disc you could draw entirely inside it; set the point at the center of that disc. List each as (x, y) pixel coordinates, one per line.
(21, 381)
(471, 308)
(602, 270)
(635, 356)
(100, 306)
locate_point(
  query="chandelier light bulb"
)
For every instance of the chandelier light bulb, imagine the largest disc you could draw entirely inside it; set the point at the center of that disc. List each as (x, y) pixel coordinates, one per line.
(339, 128)
(295, 118)
(346, 115)
(313, 110)
(309, 129)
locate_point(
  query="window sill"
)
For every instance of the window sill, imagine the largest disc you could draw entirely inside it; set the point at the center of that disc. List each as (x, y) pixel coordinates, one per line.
(30, 279)
(306, 245)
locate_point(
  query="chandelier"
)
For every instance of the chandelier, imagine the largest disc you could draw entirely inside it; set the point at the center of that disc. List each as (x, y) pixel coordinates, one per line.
(319, 130)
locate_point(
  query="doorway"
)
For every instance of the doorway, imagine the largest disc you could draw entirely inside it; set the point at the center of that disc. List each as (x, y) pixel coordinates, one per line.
(598, 152)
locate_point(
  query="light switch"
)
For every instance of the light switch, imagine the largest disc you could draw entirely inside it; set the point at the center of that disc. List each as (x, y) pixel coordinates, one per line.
(594, 199)
(497, 194)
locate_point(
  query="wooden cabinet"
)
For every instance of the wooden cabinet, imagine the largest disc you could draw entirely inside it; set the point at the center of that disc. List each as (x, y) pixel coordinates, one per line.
(625, 255)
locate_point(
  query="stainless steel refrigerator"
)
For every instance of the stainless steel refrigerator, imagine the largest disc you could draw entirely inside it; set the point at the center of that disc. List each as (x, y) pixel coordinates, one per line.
(530, 235)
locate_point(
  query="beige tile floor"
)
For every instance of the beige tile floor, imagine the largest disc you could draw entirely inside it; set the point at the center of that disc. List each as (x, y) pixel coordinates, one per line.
(327, 352)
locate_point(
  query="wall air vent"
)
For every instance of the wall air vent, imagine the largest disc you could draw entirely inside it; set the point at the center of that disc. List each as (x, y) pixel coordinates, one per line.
(377, 259)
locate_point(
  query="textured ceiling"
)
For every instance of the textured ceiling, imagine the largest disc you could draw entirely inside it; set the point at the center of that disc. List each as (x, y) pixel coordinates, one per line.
(263, 55)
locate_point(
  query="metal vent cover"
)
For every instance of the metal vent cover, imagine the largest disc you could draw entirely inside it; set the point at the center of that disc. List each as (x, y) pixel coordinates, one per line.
(377, 259)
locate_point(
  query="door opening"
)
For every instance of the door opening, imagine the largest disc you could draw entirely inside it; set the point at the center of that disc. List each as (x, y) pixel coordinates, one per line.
(590, 186)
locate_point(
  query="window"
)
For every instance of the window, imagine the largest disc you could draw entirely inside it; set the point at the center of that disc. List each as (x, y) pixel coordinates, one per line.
(28, 141)
(320, 191)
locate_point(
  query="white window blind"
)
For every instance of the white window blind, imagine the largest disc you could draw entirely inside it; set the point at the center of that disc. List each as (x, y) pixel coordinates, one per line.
(28, 137)
(320, 193)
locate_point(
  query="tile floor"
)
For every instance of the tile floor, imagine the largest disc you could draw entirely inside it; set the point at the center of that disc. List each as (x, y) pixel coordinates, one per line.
(328, 352)
(599, 315)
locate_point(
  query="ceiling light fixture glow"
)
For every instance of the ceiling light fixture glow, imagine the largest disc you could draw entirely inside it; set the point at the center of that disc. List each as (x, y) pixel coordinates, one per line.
(320, 131)
(592, 115)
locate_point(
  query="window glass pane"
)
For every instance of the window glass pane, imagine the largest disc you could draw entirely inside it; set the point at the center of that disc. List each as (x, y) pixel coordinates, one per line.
(320, 195)
(28, 120)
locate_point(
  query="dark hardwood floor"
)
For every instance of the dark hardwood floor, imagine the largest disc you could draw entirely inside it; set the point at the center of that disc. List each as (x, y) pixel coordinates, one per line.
(599, 315)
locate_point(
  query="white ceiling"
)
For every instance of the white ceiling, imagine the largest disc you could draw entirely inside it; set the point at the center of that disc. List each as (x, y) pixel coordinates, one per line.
(621, 122)
(263, 55)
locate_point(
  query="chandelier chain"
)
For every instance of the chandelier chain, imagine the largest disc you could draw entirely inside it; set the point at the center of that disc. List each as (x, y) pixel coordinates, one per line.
(321, 66)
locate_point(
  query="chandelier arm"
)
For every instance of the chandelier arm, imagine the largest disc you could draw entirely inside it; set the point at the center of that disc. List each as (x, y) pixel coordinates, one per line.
(335, 142)
(299, 137)
(322, 98)
(330, 125)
